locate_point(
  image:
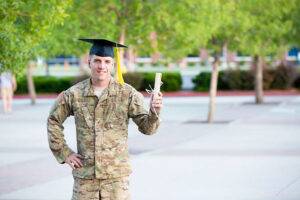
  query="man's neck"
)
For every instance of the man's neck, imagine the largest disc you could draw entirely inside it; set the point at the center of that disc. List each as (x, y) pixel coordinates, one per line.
(100, 83)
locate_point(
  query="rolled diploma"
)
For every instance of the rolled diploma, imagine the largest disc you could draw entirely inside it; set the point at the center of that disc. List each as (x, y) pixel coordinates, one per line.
(157, 83)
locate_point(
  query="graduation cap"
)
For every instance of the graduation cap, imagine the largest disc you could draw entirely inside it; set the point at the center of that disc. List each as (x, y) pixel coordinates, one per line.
(106, 48)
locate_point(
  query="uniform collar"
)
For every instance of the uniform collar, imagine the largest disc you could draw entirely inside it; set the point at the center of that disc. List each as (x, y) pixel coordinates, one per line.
(89, 90)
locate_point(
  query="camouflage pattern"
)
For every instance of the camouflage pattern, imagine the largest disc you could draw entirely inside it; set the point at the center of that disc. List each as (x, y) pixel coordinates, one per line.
(101, 127)
(96, 189)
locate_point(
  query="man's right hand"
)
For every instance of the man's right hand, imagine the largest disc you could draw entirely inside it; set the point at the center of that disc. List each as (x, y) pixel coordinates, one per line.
(74, 160)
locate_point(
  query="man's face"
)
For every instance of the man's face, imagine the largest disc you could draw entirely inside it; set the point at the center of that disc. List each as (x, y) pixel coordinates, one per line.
(101, 67)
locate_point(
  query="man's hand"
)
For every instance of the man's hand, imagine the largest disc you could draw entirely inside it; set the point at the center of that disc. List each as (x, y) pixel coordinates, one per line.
(74, 160)
(156, 102)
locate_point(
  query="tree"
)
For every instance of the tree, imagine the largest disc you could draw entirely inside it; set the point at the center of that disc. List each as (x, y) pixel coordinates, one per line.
(125, 21)
(184, 26)
(232, 24)
(269, 24)
(24, 25)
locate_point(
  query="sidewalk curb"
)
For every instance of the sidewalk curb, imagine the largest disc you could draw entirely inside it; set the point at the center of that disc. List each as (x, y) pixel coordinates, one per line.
(193, 94)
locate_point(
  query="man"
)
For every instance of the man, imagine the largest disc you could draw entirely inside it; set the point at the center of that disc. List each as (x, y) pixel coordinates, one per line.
(101, 107)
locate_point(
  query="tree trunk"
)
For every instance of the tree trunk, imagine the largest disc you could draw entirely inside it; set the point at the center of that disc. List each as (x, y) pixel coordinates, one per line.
(154, 45)
(121, 50)
(225, 55)
(283, 58)
(30, 83)
(204, 57)
(84, 69)
(213, 90)
(130, 60)
(259, 94)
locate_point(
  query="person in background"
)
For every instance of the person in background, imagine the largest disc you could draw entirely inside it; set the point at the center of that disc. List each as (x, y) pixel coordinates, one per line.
(8, 86)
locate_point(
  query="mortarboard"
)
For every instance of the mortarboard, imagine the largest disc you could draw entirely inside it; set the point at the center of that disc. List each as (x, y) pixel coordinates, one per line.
(102, 47)
(105, 48)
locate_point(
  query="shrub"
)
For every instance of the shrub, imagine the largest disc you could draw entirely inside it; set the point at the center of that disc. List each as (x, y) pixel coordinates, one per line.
(172, 81)
(134, 79)
(202, 81)
(283, 77)
(148, 79)
(280, 78)
(296, 82)
(238, 79)
(45, 84)
(140, 81)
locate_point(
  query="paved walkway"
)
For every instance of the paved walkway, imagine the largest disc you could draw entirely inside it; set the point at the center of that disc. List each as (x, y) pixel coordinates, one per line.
(251, 153)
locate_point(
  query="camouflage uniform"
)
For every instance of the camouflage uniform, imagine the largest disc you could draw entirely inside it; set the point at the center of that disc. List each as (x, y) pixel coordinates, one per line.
(104, 189)
(101, 129)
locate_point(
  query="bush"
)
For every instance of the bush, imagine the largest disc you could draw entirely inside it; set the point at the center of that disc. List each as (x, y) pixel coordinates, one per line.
(140, 81)
(22, 85)
(280, 78)
(44, 84)
(134, 79)
(148, 79)
(238, 79)
(172, 81)
(296, 83)
(202, 81)
(52, 84)
(283, 77)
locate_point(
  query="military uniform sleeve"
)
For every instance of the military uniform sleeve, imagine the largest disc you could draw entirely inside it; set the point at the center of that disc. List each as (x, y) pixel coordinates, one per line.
(58, 114)
(147, 121)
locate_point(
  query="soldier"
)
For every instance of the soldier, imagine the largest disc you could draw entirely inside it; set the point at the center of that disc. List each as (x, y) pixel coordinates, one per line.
(101, 107)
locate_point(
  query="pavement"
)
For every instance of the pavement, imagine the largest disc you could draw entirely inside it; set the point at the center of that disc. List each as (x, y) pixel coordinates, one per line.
(250, 152)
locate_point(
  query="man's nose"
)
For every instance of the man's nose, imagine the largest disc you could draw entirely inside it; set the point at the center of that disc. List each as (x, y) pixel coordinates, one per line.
(101, 66)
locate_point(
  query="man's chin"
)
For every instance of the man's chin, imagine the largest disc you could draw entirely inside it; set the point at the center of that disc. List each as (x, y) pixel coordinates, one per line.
(101, 78)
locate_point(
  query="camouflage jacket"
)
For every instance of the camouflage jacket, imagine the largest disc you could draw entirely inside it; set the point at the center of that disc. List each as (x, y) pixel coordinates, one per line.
(101, 127)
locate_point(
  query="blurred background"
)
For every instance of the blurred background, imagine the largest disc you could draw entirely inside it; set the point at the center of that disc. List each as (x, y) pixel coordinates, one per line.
(231, 79)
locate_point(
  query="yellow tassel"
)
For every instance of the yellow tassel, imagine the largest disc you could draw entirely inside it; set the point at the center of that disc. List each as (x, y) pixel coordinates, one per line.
(119, 76)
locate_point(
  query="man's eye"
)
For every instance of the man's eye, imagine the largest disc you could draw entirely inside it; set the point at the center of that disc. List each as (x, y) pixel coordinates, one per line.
(107, 62)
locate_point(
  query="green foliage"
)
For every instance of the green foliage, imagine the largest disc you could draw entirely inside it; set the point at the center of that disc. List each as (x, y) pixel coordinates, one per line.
(283, 77)
(134, 79)
(102, 19)
(294, 34)
(280, 78)
(296, 83)
(231, 24)
(49, 28)
(140, 81)
(202, 81)
(172, 81)
(148, 79)
(23, 26)
(242, 80)
(45, 84)
(269, 25)
(184, 26)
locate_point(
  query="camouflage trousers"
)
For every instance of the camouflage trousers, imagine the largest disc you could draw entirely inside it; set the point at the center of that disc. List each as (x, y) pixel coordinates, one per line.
(101, 189)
